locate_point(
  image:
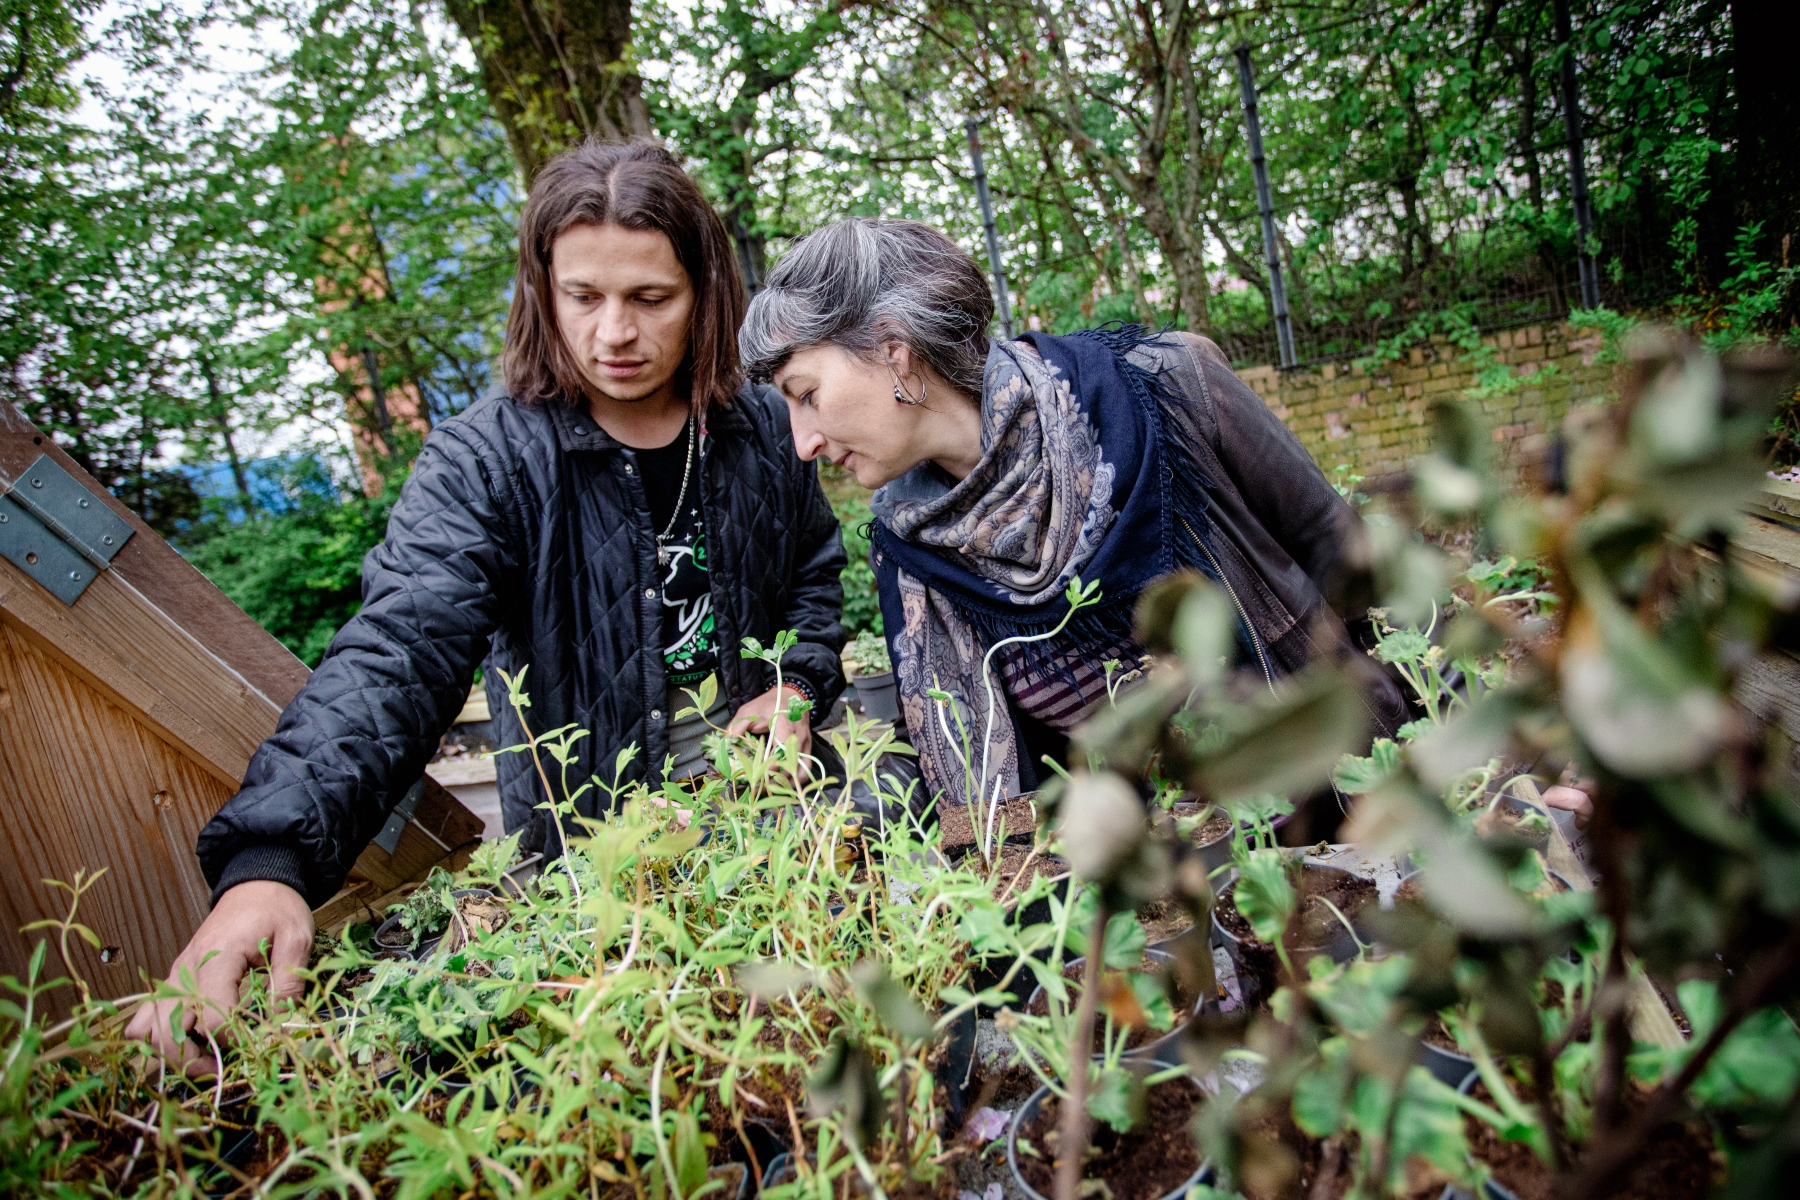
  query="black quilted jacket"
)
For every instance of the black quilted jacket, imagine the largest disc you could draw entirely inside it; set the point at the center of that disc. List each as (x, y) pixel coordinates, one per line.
(521, 539)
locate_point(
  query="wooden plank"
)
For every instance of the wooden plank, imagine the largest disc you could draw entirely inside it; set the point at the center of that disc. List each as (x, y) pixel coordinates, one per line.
(39, 618)
(1769, 544)
(126, 720)
(154, 568)
(475, 709)
(86, 785)
(124, 646)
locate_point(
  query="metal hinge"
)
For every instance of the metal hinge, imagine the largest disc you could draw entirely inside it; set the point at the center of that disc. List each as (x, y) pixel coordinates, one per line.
(56, 531)
(389, 837)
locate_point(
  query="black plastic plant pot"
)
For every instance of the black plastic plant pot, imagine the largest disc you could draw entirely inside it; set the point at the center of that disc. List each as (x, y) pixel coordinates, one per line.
(985, 973)
(1255, 962)
(879, 697)
(390, 928)
(1163, 1047)
(954, 1069)
(1446, 1066)
(781, 1169)
(1028, 1112)
(1217, 853)
(725, 1171)
(1490, 1189)
(236, 1147)
(391, 940)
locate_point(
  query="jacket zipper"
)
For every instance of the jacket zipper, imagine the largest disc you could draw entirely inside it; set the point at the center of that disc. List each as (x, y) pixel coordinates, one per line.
(1255, 641)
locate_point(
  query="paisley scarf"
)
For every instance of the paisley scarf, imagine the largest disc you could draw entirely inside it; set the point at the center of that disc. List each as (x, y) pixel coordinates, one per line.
(1076, 478)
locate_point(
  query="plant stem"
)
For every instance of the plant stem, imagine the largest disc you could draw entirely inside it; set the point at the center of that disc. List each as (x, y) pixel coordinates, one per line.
(1074, 1116)
(987, 682)
(1612, 1153)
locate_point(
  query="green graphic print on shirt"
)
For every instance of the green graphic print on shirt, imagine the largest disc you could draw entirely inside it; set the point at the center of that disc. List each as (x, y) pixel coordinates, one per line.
(690, 649)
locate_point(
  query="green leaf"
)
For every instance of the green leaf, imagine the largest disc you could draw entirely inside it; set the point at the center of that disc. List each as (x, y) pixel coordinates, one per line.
(769, 978)
(984, 927)
(674, 845)
(1403, 646)
(1264, 894)
(689, 1153)
(1288, 744)
(847, 1087)
(1355, 776)
(1152, 997)
(1318, 1105)
(891, 1002)
(1125, 942)
(1117, 1098)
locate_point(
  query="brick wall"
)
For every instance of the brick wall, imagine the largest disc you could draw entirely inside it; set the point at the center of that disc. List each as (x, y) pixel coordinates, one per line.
(1377, 421)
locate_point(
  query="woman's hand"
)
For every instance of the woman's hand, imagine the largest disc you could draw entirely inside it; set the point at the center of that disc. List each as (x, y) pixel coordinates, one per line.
(755, 716)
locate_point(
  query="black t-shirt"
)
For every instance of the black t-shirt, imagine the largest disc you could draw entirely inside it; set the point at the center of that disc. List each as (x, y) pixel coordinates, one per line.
(690, 649)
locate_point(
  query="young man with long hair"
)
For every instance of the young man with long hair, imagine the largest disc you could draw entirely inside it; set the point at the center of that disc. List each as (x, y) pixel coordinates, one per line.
(617, 519)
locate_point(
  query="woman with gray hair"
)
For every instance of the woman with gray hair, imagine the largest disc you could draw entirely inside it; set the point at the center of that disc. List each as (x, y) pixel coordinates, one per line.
(1005, 469)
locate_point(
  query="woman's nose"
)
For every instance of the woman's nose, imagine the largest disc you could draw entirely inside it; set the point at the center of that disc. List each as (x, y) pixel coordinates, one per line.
(809, 443)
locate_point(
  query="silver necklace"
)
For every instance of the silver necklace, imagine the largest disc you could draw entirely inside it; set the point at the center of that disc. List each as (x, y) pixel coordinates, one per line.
(687, 469)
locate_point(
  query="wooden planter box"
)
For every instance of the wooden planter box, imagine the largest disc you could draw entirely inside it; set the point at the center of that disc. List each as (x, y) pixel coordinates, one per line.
(128, 713)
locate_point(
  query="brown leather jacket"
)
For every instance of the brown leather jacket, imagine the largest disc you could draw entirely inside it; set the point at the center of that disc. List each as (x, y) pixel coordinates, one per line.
(1285, 527)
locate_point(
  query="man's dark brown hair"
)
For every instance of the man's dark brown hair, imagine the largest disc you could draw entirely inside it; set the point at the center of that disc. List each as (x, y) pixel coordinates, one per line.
(635, 185)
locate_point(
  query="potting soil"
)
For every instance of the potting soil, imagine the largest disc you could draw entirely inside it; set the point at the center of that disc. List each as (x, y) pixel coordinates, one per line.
(1016, 815)
(1145, 1164)
(1313, 925)
(1677, 1162)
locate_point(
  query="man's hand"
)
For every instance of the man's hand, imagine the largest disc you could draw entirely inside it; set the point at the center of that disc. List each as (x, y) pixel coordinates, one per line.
(1570, 799)
(754, 718)
(245, 918)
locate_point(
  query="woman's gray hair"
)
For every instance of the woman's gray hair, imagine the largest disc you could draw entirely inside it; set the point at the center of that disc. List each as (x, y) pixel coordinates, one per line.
(860, 284)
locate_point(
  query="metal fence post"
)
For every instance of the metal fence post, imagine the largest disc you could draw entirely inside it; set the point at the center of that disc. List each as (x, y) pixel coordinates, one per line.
(1265, 203)
(987, 225)
(1578, 184)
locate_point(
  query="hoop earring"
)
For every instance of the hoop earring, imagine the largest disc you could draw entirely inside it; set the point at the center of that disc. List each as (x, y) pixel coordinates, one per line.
(900, 396)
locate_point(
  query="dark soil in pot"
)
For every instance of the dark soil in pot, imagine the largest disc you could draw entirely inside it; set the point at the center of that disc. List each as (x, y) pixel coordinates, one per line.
(1213, 837)
(1156, 1158)
(1141, 1038)
(1677, 1162)
(1313, 929)
(1017, 863)
(958, 828)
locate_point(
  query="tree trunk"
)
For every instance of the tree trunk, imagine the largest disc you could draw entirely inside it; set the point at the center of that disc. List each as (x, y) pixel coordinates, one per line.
(1184, 262)
(555, 71)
